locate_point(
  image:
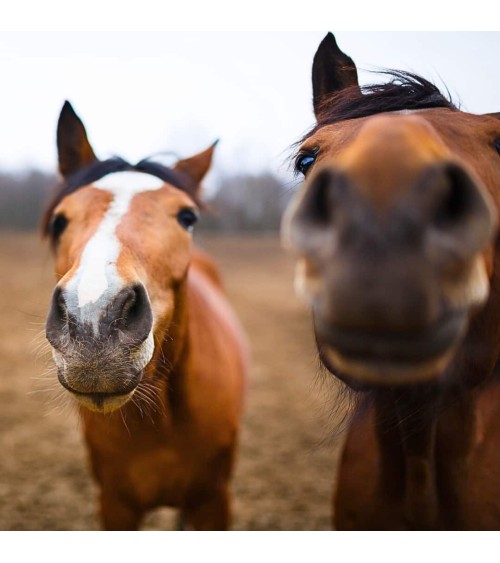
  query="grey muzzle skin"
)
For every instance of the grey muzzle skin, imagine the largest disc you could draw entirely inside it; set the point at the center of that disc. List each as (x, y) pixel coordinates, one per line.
(104, 358)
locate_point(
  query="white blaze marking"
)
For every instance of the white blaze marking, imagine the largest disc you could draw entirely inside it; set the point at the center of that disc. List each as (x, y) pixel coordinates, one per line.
(99, 255)
(97, 270)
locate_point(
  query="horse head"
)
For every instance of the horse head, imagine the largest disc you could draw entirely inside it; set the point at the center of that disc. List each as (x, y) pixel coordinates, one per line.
(122, 238)
(395, 225)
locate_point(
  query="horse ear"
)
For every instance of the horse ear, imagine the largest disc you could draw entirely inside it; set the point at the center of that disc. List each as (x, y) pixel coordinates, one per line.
(332, 71)
(197, 166)
(73, 146)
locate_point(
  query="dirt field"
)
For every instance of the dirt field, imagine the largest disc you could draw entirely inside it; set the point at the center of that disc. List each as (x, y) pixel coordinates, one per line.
(286, 463)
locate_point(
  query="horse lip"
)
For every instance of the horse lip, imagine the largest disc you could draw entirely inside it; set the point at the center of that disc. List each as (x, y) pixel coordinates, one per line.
(394, 347)
(100, 396)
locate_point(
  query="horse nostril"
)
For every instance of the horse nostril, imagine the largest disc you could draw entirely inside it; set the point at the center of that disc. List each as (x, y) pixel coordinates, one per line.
(318, 200)
(132, 314)
(461, 210)
(57, 318)
(318, 214)
(458, 198)
(125, 303)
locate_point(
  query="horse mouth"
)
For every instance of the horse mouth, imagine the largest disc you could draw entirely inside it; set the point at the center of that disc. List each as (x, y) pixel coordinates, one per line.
(395, 358)
(101, 402)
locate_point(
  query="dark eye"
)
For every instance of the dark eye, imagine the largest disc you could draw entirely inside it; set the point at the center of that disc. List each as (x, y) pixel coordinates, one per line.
(496, 144)
(59, 223)
(187, 218)
(304, 161)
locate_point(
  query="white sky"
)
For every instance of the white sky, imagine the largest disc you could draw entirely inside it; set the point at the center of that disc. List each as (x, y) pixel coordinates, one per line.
(143, 92)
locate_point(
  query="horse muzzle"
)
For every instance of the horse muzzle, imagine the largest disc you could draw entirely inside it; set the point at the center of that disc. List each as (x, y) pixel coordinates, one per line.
(384, 358)
(99, 401)
(102, 380)
(101, 358)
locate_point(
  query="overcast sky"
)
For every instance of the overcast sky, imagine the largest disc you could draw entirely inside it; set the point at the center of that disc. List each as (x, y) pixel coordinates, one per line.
(140, 93)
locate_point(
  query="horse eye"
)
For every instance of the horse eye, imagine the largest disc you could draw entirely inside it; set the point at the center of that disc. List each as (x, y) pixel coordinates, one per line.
(58, 225)
(304, 161)
(187, 218)
(496, 144)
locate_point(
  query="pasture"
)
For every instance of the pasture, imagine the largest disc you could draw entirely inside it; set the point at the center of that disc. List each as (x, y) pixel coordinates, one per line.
(287, 458)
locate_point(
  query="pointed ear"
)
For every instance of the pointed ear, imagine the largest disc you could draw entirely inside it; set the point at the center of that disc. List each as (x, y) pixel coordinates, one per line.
(73, 146)
(332, 71)
(198, 165)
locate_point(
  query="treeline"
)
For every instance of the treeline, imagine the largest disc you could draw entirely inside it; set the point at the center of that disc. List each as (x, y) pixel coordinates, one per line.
(241, 203)
(247, 203)
(23, 197)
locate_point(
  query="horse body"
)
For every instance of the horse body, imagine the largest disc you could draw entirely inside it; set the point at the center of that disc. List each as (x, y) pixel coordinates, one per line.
(398, 258)
(143, 336)
(179, 453)
(442, 476)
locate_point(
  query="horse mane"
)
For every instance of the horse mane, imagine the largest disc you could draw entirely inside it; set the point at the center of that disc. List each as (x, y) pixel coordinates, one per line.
(100, 168)
(405, 91)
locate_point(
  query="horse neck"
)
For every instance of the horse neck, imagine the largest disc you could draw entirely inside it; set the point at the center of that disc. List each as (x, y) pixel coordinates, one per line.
(424, 443)
(180, 355)
(174, 354)
(175, 344)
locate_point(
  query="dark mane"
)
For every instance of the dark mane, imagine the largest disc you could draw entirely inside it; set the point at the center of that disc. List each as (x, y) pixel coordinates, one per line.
(100, 168)
(405, 91)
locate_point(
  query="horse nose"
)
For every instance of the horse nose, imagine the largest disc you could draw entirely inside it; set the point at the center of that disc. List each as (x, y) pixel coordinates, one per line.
(126, 317)
(379, 266)
(446, 205)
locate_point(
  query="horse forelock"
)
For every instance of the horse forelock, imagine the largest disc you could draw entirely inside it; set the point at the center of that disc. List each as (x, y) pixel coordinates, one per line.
(404, 92)
(100, 169)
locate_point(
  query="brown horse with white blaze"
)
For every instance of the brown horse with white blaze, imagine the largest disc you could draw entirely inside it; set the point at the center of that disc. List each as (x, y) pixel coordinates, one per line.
(395, 231)
(142, 334)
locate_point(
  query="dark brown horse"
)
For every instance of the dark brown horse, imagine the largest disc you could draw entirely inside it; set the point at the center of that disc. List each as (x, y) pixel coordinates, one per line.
(398, 258)
(142, 334)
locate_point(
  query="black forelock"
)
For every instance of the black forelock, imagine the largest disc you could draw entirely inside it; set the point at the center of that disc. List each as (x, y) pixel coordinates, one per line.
(101, 168)
(405, 91)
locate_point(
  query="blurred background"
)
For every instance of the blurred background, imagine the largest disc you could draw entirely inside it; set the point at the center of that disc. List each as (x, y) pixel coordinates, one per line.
(174, 93)
(171, 94)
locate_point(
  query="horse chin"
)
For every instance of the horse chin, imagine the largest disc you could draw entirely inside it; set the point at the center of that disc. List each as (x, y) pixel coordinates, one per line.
(103, 381)
(382, 360)
(103, 400)
(102, 404)
(385, 372)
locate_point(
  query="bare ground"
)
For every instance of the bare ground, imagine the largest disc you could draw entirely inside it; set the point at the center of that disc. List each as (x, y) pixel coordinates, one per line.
(286, 463)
